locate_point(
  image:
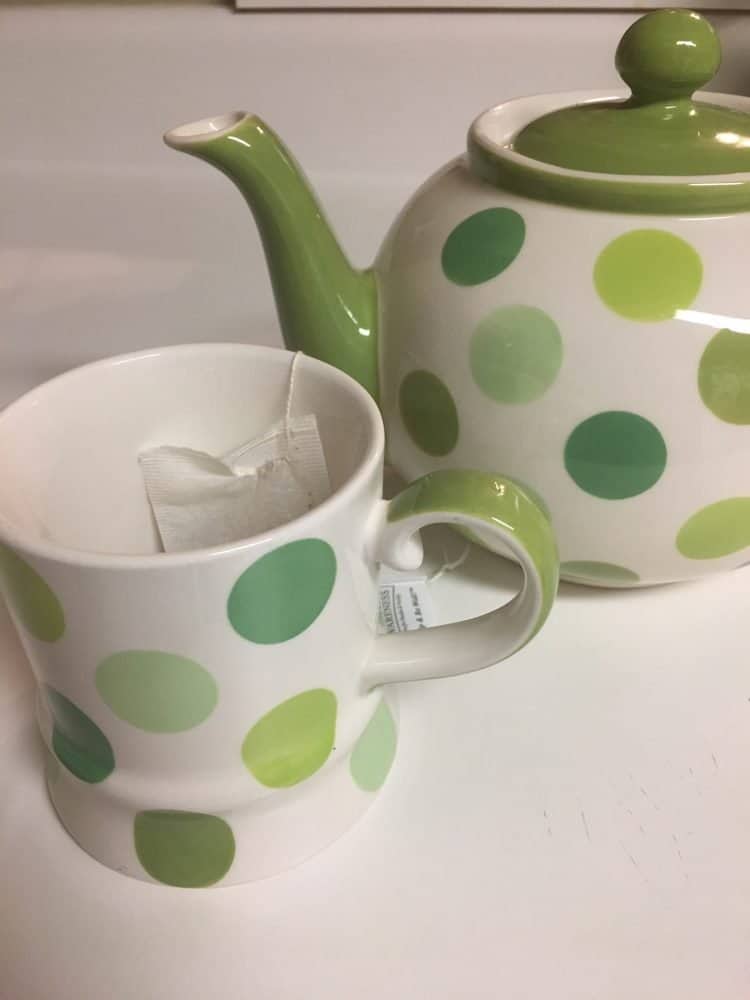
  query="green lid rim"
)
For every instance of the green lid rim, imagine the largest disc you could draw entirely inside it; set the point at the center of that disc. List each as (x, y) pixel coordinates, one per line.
(643, 195)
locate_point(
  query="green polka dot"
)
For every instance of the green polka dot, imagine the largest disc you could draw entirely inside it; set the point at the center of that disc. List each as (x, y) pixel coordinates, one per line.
(600, 571)
(79, 743)
(30, 598)
(515, 354)
(717, 530)
(374, 751)
(283, 593)
(724, 376)
(615, 454)
(293, 740)
(186, 849)
(158, 692)
(429, 413)
(483, 246)
(648, 274)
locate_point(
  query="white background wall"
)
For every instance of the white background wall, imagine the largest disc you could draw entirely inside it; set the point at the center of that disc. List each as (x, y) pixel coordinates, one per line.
(109, 241)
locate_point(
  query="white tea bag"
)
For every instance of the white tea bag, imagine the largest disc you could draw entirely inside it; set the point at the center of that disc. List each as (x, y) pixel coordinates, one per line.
(199, 500)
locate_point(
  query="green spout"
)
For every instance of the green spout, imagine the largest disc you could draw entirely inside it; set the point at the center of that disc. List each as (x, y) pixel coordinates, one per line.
(327, 308)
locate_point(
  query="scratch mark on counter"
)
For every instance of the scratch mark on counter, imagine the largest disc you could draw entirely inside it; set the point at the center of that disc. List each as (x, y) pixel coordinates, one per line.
(677, 846)
(691, 771)
(648, 798)
(640, 827)
(549, 828)
(633, 862)
(716, 763)
(585, 826)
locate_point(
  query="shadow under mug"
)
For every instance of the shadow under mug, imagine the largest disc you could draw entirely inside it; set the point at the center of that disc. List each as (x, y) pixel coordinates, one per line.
(216, 716)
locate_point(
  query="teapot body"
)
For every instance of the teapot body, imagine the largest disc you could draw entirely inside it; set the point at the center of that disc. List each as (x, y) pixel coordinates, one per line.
(600, 358)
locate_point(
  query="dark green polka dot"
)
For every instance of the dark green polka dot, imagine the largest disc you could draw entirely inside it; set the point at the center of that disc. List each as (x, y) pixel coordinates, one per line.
(293, 740)
(482, 246)
(429, 413)
(648, 275)
(283, 593)
(724, 376)
(78, 742)
(515, 354)
(185, 849)
(155, 691)
(31, 599)
(374, 751)
(615, 454)
(579, 569)
(717, 530)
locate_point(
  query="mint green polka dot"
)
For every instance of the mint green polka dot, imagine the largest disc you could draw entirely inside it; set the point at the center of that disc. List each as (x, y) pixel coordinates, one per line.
(648, 275)
(515, 354)
(579, 569)
(374, 751)
(429, 413)
(615, 455)
(155, 691)
(724, 376)
(282, 594)
(717, 530)
(186, 849)
(30, 597)
(79, 743)
(483, 246)
(293, 740)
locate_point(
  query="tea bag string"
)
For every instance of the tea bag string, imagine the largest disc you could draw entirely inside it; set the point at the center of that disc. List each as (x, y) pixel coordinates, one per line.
(289, 397)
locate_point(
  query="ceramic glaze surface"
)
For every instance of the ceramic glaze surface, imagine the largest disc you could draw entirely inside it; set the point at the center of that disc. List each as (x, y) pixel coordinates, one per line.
(572, 313)
(214, 716)
(602, 363)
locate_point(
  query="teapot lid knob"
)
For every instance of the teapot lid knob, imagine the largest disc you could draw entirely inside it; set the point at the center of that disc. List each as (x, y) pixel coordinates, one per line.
(667, 55)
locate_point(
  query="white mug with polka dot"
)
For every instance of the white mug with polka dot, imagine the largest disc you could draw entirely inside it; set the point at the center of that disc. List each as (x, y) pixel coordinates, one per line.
(216, 716)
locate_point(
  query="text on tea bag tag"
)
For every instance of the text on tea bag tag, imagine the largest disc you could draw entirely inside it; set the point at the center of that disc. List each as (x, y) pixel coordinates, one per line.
(199, 500)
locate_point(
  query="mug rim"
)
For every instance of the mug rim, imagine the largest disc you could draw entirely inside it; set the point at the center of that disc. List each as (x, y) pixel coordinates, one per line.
(18, 538)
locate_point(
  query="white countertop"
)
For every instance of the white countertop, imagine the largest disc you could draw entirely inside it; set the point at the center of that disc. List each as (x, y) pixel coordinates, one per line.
(572, 824)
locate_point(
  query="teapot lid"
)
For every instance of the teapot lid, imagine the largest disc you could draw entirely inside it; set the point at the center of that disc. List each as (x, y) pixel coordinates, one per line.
(660, 130)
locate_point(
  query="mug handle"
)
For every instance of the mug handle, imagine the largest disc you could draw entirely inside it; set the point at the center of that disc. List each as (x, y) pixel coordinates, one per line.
(497, 513)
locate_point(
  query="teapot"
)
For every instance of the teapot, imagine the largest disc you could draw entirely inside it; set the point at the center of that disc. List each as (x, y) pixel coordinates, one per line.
(566, 302)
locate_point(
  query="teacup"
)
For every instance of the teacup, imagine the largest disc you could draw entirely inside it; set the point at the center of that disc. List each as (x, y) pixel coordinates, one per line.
(216, 716)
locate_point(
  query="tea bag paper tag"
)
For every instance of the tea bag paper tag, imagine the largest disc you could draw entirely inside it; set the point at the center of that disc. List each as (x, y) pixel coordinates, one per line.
(200, 500)
(405, 605)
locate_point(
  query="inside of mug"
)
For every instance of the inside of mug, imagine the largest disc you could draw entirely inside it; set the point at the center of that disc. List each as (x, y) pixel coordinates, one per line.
(69, 470)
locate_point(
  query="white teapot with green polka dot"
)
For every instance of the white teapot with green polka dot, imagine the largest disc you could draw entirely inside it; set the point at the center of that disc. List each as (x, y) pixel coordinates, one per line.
(566, 302)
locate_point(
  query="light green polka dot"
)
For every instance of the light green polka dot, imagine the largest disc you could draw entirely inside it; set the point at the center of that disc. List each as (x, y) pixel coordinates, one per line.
(30, 597)
(724, 376)
(615, 455)
(717, 530)
(155, 691)
(515, 354)
(293, 740)
(374, 751)
(282, 594)
(580, 569)
(648, 274)
(429, 413)
(483, 246)
(185, 849)
(78, 742)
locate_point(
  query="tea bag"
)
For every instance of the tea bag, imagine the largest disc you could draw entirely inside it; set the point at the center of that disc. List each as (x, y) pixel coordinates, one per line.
(199, 500)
